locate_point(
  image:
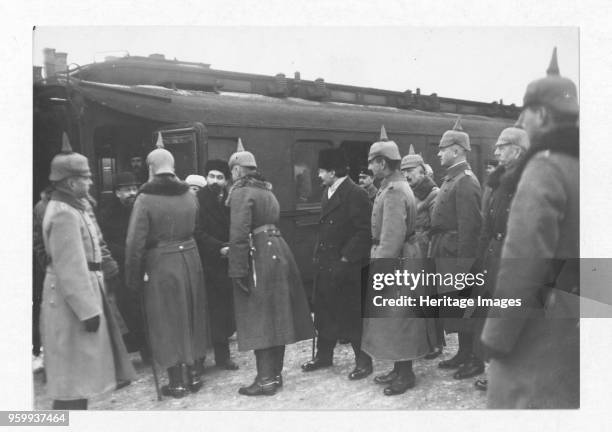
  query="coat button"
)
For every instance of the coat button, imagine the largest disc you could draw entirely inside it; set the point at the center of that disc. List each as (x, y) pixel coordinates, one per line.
(181, 247)
(273, 256)
(269, 243)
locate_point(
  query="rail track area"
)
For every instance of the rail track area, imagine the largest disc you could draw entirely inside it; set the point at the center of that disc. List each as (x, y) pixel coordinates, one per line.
(325, 389)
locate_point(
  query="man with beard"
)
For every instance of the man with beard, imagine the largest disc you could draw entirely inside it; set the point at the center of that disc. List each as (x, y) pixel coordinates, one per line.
(366, 181)
(535, 349)
(425, 192)
(455, 225)
(212, 235)
(138, 168)
(114, 221)
(501, 184)
(342, 250)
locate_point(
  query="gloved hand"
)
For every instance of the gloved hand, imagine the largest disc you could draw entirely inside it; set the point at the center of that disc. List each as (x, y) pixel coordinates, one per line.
(92, 324)
(242, 284)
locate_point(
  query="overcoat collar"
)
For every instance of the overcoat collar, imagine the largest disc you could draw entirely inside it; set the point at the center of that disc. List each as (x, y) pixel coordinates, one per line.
(455, 170)
(71, 200)
(329, 204)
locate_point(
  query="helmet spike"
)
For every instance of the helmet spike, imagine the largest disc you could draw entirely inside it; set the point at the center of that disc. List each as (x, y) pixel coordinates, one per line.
(411, 150)
(383, 134)
(239, 147)
(553, 67)
(66, 147)
(160, 141)
(457, 125)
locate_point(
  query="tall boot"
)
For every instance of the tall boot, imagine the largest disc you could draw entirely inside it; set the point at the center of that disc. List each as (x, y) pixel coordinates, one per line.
(473, 365)
(279, 359)
(192, 377)
(222, 356)
(74, 404)
(176, 385)
(405, 379)
(363, 363)
(265, 383)
(463, 354)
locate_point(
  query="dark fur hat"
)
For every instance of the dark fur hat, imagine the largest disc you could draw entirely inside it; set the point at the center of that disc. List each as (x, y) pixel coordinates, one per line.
(332, 159)
(217, 165)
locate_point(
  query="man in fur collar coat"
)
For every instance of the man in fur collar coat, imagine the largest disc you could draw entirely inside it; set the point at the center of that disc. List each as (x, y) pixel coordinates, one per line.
(535, 348)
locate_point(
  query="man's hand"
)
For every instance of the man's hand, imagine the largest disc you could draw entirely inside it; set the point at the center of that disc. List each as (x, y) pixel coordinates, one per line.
(242, 284)
(224, 251)
(92, 324)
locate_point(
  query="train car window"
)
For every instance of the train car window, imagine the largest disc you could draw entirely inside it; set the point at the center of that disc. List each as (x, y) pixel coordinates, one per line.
(182, 143)
(356, 153)
(221, 147)
(308, 188)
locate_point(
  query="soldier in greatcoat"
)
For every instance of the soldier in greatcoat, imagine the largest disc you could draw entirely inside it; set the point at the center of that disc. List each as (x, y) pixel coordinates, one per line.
(84, 352)
(162, 260)
(535, 349)
(342, 250)
(212, 235)
(425, 193)
(510, 147)
(269, 300)
(401, 335)
(455, 226)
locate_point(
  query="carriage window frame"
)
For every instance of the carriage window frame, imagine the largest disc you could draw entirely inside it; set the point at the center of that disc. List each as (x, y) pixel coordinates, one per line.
(312, 162)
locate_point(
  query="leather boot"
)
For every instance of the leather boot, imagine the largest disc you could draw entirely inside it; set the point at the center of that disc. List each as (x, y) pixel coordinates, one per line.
(279, 358)
(265, 383)
(199, 365)
(176, 386)
(363, 363)
(324, 357)
(463, 355)
(193, 379)
(388, 377)
(67, 405)
(222, 356)
(405, 379)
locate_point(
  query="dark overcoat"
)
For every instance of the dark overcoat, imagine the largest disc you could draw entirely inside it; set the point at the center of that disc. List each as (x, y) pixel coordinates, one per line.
(276, 311)
(160, 250)
(344, 231)
(538, 344)
(455, 226)
(404, 333)
(79, 364)
(212, 233)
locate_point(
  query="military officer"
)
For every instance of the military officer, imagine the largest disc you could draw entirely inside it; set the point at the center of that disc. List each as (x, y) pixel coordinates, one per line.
(425, 193)
(84, 352)
(401, 334)
(455, 225)
(366, 181)
(535, 349)
(343, 248)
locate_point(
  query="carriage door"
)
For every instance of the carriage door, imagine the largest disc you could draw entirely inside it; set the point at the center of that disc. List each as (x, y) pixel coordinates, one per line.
(187, 144)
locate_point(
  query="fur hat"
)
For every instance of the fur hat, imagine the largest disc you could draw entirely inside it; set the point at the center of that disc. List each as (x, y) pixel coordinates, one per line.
(217, 165)
(332, 159)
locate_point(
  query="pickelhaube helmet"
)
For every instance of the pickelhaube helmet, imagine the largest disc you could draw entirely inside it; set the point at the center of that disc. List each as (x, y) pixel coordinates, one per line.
(553, 91)
(242, 157)
(68, 163)
(384, 147)
(160, 160)
(456, 136)
(411, 160)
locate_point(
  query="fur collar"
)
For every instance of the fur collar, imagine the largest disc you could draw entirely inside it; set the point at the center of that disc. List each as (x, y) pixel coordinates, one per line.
(168, 185)
(564, 140)
(424, 188)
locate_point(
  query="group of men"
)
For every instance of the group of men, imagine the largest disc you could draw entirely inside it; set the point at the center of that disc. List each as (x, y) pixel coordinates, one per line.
(218, 263)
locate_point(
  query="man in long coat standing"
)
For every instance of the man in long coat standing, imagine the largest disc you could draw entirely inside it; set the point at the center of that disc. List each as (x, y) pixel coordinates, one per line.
(455, 226)
(161, 250)
(342, 249)
(84, 352)
(401, 335)
(212, 235)
(535, 349)
(269, 300)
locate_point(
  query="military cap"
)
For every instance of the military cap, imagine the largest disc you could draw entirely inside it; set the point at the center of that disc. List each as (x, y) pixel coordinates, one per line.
(456, 136)
(332, 159)
(242, 157)
(553, 91)
(125, 178)
(384, 148)
(217, 165)
(195, 180)
(68, 163)
(366, 172)
(160, 160)
(514, 135)
(411, 160)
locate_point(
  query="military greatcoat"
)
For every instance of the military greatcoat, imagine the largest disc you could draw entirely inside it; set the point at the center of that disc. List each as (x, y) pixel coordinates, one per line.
(276, 311)
(403, 333)
(455, 226)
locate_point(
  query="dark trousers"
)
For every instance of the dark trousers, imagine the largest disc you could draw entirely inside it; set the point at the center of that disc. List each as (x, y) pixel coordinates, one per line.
(325, 351)
(222, 352)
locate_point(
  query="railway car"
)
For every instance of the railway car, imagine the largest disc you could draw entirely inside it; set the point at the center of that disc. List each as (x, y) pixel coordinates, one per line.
(110, 122)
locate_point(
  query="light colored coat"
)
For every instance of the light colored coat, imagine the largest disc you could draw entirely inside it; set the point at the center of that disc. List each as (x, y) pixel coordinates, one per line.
(79, 364)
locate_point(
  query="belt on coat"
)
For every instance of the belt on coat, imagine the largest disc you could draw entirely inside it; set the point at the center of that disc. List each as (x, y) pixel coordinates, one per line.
(179, 244)
(440, 231)
(268, 228)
